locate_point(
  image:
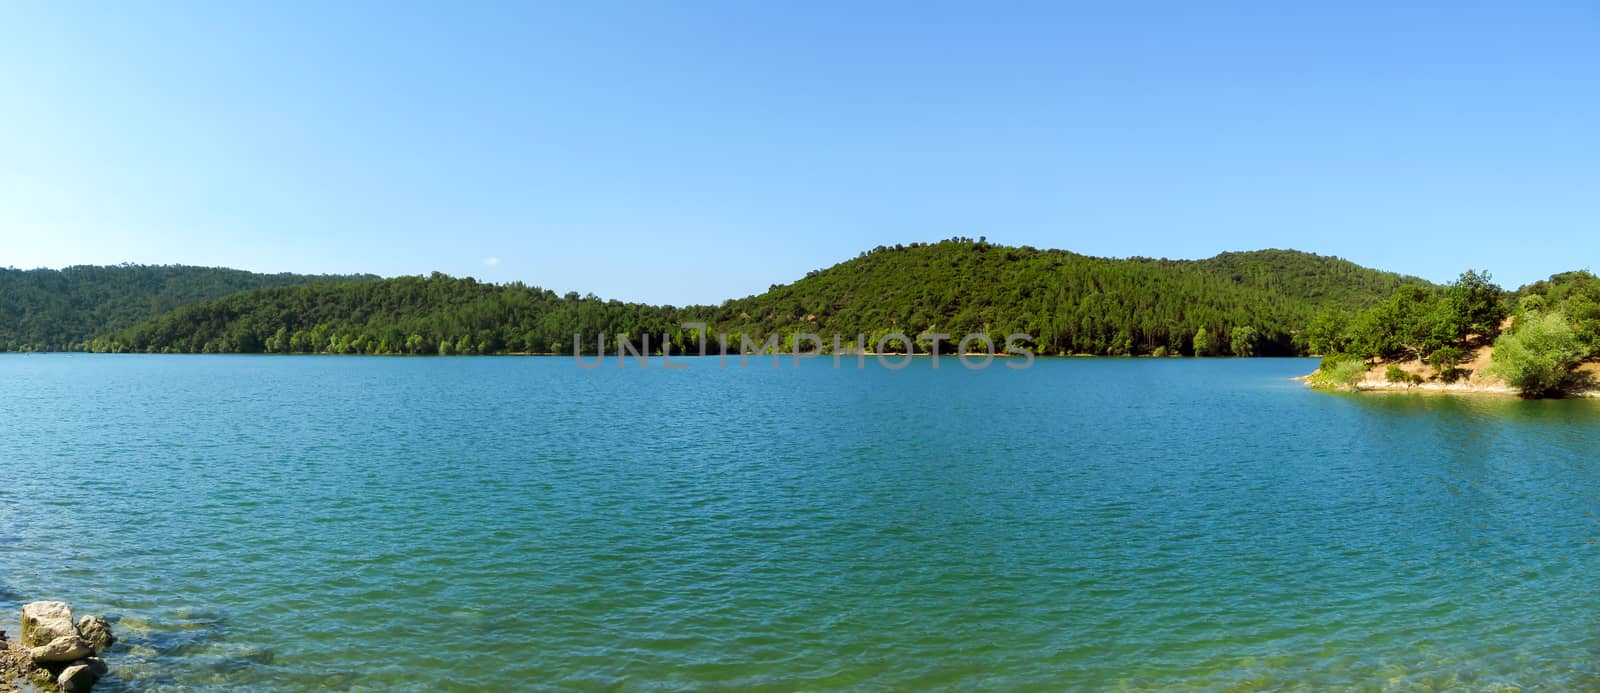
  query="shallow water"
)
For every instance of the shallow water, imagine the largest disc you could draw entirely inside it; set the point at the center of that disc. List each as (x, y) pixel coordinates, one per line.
(313, 523)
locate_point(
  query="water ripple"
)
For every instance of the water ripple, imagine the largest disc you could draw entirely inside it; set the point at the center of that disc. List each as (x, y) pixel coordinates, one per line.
(424, 524)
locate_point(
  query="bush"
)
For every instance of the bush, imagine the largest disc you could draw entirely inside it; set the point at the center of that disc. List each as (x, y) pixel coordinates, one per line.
(1537, 357)
(1396, 374)
(1340, 371)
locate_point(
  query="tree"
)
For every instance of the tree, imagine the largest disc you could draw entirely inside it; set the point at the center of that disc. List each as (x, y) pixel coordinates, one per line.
(1243, 340)
(1326, 334)
(1531, 304)
(1202, 342)
(279, 341)
(1405, 325)
(1121, 344)
(1444, 361)
(1476, 305)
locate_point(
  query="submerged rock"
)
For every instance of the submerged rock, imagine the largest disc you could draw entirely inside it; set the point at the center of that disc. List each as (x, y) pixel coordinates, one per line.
(97, 632)
(43, 622)
(96, 665)
(63, 649)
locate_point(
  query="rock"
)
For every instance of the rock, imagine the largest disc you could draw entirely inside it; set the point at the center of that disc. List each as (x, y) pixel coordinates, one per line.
(43, 622)
(96, 665)
(78, 677)
(17, 672)
(97, 632)
(63, 649)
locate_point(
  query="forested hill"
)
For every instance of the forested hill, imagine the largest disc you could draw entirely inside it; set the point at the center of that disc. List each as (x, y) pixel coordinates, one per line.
(1256, 303)
(404, 315)
(1073, 304)
(55, 310)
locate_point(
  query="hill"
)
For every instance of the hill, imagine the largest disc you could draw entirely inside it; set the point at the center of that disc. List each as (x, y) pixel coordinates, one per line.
(438, 314)
(1254, 303)
(1071, 303)
(61, 310)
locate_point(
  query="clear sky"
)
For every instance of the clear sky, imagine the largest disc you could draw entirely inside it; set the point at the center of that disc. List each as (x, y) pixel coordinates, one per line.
(685, 152)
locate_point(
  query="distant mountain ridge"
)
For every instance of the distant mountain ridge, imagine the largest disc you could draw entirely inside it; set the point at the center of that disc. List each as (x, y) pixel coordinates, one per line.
(1250, 303)
(61, 310)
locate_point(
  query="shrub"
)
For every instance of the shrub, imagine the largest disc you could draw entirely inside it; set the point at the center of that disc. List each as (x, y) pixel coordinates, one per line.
(1396, 374)
(1537, 357)
(1340, 371)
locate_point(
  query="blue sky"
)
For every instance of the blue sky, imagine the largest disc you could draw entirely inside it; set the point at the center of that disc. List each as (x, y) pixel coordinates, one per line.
(690, 152)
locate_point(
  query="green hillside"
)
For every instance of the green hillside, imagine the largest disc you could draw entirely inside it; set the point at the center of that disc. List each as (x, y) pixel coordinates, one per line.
(1072, 304)
(1256, 303)
(403, 315)
(59, 310)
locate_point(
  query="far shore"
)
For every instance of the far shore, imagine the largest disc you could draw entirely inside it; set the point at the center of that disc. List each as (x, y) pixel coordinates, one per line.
(731, 354)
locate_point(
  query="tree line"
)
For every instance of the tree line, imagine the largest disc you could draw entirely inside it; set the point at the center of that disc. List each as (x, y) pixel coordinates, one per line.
(62, 310)
(1246, 304)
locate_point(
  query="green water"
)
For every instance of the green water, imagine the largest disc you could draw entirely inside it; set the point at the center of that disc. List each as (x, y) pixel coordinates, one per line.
(315, 523)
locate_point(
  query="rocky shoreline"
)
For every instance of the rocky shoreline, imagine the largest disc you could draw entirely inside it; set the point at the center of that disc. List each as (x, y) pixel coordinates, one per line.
(54, 653)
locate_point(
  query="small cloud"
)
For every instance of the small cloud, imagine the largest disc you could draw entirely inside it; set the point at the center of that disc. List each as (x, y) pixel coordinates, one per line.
(491, 261)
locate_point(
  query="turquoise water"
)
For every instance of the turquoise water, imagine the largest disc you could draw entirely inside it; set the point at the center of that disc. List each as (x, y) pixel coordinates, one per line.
(314, 523)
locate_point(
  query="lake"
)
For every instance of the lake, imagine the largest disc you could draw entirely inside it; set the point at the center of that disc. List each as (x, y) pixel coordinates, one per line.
(314, 523)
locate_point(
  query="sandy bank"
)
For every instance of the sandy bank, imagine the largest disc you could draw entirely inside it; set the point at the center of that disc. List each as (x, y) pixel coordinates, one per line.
(1473, 379)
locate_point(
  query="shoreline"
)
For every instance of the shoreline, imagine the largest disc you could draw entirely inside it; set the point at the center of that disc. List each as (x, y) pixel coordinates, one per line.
(1377, 384)
(786, 354)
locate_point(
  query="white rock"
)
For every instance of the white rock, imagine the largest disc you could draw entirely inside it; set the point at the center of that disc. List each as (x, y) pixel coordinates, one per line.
(43, 622)
(63, 649)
